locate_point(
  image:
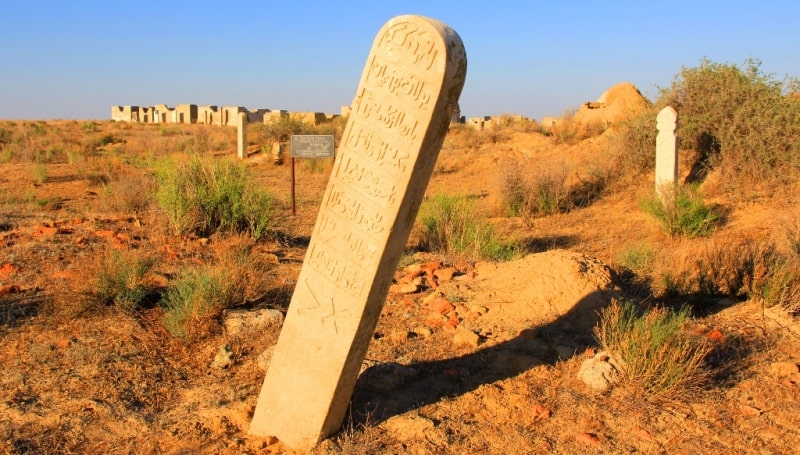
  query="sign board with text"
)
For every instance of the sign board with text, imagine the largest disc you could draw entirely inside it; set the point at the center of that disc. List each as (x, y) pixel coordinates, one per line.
(312, 146)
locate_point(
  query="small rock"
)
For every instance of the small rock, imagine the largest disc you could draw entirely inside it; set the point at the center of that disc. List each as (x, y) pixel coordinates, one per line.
(587, 439)
(423, 332)
(749, 411)
(223, 359)
(435, 320)
(512, 362)
(398, 336)
(239, 322)
(540, 412)
(431, 297)
(441, 306)
(464, 337)
(716, 335)
(444, 275)
(405, 288)
(599, 372)
(480, 309)
(642, 434)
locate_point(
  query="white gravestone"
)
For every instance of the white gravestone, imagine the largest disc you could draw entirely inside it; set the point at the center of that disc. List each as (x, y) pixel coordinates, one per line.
(408, 89)
(666, 151)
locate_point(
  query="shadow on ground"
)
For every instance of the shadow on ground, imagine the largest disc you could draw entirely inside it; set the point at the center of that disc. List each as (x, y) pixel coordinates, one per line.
(378, 397)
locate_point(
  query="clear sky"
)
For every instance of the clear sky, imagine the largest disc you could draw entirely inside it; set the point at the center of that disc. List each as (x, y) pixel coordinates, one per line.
(75, 59)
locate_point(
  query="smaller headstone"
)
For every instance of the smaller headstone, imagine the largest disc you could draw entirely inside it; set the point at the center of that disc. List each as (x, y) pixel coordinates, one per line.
(278, 151)
(242, 136)
(666, 150)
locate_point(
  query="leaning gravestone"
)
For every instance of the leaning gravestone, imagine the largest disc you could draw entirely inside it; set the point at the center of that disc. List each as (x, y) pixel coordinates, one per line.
(400, 115)
(666, 151)
(242, 136)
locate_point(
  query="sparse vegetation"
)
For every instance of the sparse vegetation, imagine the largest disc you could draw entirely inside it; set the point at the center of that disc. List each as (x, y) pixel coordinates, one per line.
(120, 280)
(204, 196)
(200, 294)
(655, 352)
(681, 211)
(450, 226)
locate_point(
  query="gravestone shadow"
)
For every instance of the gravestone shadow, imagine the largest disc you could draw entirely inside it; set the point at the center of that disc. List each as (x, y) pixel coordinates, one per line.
(376, 399)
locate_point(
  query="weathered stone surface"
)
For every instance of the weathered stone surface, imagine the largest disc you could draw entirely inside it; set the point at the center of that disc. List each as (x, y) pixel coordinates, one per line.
(599, 372)
(241, 137)
(666, 150)
(241, 322)
(412, 79)
(224, 358)
(464, 337)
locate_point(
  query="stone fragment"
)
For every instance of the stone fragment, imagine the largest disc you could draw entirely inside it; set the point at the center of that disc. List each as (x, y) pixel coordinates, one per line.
(406, 288)
(465, 337)
(223, 359)
(599, 372)
(587, 439)
(444, 275)
(423, 332)
(240, 322)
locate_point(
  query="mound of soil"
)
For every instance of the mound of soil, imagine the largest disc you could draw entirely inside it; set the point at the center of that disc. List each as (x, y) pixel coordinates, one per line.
(614, 104)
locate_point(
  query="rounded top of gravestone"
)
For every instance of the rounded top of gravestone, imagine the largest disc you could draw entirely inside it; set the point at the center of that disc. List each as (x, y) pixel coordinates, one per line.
(667, 115)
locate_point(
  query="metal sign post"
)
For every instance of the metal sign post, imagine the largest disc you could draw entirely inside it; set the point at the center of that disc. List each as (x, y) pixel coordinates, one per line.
(309, 146)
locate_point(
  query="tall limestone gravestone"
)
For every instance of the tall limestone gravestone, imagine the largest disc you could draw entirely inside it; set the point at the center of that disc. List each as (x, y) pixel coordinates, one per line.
(666, 151)
(411, 82)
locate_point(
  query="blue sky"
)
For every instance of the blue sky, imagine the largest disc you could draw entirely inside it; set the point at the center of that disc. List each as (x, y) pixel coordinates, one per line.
(75, 59)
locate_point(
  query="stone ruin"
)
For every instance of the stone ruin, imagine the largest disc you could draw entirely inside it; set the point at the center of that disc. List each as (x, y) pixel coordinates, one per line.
(212, 115)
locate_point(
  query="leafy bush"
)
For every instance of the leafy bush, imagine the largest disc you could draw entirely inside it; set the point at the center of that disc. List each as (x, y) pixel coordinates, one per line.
(632, 146)
(740, 117)
(207, 196)
(681, 211)
(450, 225)
(654, 351)
(120, 280)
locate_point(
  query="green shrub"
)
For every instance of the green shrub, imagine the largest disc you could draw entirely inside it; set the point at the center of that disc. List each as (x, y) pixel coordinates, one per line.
(120, 280)
(632, 146)
(450, 225)
(193, 302)
(681, 211)
(740, 118)
(208, 196)
(197, 296)
(655, 353)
